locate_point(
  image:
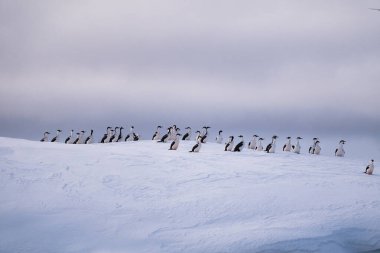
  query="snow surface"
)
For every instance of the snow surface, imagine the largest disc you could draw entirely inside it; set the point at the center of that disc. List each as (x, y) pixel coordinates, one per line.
(141, 197)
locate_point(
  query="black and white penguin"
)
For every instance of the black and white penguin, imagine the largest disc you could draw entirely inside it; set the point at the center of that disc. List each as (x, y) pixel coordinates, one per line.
(114, 135)
(187, 135)
(288, 145)
(173, 132)
(104, 138)
(229, 144)
(239, 147)
(219, 138)
(90, 138)
(69, 139)
(131, 135)
(370, 167)
(205, 134)
(259, 146)
(166, 136)
(56, 138)
(175, 143)
(197, 146)
(46, 137)
(76, 139)
(197, 135)
(252, 144)
(340, 150)
(109, 136)
(157, 134)
(317, 148)
(81, 137)
(297, 147)
(271, 148)
(312, 147)
(119, 136)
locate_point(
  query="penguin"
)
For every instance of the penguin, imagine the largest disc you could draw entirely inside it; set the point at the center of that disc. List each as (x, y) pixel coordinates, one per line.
(312, 147)
(288, 146)
(77, 139)
(239, 147)
(103, 140)
(109, 136)
(157, 135)
(81, 137)
(259, 146)
(131, 135)
(219, 138)
(175, 143)
(120, 135)
(340, 150)
(197, 146)
(271, 148)
(89, 139)
(45, 138)
(173, 132)
(205, 133)
(187, 135)
(297, 147)
(229, 144)
(56, 138)
(253, 142)
(165, 138)
(317, 148)
(68, 139)
(198, 134)
(114, 134)
(370, 167)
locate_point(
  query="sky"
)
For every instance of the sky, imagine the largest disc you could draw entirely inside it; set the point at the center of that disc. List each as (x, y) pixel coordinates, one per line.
(291, 66)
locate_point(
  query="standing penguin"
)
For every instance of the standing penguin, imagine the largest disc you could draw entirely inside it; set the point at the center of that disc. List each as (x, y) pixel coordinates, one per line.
(239, 147)
(229, 144)
(187, 135)
(103, 140)
(317, 148)
(76, 139)
(165, 138)
(252, 144)
(205, 134)
(56, 138)
(197, 146)
(120, 135)
(175, 143)
(69, 139)
(259, 146)
(45, 138)
(288, 145)
(157, 134)
(198, 134)
(297, 147)
(90, 138)
(271, 148)
(340, 150)
(219, 138)
(370, 167)
(312, 147)
(114, 135)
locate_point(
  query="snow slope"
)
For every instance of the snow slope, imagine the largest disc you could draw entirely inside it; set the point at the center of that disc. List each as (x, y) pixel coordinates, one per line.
(141, 197)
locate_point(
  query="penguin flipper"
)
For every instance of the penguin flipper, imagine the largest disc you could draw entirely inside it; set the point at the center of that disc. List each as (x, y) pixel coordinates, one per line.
(283, 149)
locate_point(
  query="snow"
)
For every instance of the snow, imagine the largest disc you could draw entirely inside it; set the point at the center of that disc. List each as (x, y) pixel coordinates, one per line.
(141, 197)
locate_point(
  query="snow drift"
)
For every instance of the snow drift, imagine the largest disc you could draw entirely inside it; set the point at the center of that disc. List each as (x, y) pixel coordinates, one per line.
(141, 197)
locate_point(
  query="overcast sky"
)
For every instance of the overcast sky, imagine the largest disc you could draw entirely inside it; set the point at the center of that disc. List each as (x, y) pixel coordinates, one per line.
(260, 66)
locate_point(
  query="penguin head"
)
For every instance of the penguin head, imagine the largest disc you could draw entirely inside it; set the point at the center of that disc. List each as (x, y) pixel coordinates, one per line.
(159, 126)
(46, 133)
(82, 131)
(372, 160)
(59, 130)
(299, 138)
(261, 139)
(109, 127)
(198, 132)
(255, 135)
(241, 136)
(220, 131)
(274, 137)
(342, 142)
(317, 142)
(288, 137)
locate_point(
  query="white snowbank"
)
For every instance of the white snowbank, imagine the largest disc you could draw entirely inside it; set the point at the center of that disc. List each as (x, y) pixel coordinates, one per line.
(141, 197)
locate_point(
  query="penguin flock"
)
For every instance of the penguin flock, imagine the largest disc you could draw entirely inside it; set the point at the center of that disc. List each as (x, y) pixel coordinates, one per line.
(174, 136)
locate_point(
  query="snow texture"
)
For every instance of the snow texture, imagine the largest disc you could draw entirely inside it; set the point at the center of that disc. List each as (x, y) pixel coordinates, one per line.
(141, 197)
